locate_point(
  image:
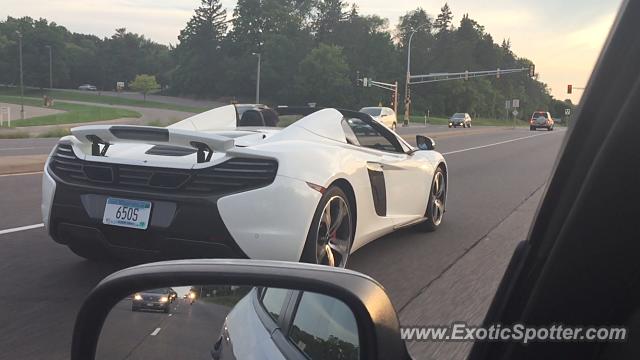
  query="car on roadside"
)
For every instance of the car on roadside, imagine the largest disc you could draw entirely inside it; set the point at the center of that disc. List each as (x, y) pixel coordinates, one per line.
(154, 299)
(541, 120)
(208, 186)
(460, 119)
(87, 87)
(384, 115)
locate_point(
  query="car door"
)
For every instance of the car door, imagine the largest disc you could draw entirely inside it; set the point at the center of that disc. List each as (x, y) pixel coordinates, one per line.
(405, 179)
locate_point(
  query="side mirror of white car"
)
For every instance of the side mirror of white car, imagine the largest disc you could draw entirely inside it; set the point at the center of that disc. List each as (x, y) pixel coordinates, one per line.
(221, 309)
(425, 143)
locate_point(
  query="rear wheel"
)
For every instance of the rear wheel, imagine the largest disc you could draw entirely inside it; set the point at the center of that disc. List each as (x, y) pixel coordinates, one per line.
(436, 203)
(332, 229)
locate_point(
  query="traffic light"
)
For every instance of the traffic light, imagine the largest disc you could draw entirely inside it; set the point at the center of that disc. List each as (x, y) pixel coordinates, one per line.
(532, 70)
(569, 89)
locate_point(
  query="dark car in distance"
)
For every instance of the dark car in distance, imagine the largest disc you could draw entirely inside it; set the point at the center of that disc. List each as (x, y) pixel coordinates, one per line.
(155, 299)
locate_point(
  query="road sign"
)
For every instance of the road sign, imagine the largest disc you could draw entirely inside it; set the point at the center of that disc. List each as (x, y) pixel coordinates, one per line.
(567, 112)
(507, 104)
(515, 112)
(515, 103)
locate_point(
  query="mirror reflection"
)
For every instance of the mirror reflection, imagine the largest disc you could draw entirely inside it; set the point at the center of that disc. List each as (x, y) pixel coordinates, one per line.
(228, 322)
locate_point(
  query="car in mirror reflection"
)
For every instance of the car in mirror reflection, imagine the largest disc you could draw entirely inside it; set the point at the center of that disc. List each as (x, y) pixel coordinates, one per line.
(155, 299)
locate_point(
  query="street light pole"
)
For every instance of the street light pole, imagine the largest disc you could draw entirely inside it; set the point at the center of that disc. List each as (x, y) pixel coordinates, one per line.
(21, 79)
(407, 90)
(258, 78)
(50, 67)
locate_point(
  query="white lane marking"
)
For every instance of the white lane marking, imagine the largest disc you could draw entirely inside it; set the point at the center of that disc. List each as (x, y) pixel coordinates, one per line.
(20, 174)
(170, 315)
(25, 148)
(21, 228)
(494, 144)
(155, 332)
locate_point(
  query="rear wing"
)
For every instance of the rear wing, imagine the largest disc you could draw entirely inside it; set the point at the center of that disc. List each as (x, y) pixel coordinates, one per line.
(100, 137)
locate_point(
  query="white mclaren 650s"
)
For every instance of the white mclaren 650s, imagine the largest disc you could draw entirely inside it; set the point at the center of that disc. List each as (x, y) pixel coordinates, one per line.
(230, 183)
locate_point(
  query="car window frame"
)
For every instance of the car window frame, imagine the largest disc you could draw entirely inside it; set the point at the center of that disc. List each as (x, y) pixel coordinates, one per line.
(286, 330)
(386, 133)
(283, 309)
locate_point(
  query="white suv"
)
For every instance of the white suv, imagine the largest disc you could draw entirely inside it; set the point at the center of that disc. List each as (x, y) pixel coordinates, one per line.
(383, 115)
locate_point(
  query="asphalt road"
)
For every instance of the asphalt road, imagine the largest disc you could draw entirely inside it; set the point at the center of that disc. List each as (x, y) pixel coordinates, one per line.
(491, 174)
(186, 332)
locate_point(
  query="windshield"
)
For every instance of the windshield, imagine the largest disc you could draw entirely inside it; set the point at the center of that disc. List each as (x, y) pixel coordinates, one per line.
(157, 291)
(188, 146)
(372, 111)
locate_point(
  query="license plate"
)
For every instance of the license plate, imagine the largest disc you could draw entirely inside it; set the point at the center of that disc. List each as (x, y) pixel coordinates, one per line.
(127, 213)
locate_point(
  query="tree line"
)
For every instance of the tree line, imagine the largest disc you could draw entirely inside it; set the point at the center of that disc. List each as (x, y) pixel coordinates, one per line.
(311, 51)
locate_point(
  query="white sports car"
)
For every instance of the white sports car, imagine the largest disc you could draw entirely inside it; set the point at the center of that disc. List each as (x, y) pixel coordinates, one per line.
(220, 185)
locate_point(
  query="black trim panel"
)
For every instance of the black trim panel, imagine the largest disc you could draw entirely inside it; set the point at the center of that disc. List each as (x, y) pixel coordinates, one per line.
(140, 133)
(378, 191)
(76, 216)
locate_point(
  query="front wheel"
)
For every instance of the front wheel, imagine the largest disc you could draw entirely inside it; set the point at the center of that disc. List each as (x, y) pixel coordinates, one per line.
(332, 229)
(436, 203)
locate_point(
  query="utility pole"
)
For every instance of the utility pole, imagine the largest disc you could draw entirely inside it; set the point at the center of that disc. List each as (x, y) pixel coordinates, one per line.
(407, 91)
(21, 79)
(50, 67)
(258, 78)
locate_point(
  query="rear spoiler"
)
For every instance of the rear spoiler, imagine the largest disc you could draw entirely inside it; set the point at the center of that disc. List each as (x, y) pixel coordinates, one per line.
(105, 135)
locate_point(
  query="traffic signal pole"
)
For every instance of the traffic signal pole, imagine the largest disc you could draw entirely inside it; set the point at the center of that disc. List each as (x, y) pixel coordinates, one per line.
(368, 82)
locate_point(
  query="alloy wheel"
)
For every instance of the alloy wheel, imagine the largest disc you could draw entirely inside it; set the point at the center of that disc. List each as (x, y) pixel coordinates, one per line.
(438, 192)
(333, 241)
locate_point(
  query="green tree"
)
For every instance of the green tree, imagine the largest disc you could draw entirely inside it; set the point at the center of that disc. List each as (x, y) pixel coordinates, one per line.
(329, 13)
(144, 84)
(323, 77)
(444, 19)
(198, 55)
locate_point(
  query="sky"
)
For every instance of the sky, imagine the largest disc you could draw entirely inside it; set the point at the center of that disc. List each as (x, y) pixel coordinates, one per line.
(562, 37)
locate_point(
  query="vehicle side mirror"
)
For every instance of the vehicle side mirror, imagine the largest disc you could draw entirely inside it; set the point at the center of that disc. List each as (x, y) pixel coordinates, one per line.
(425, 143)
(208, 306)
